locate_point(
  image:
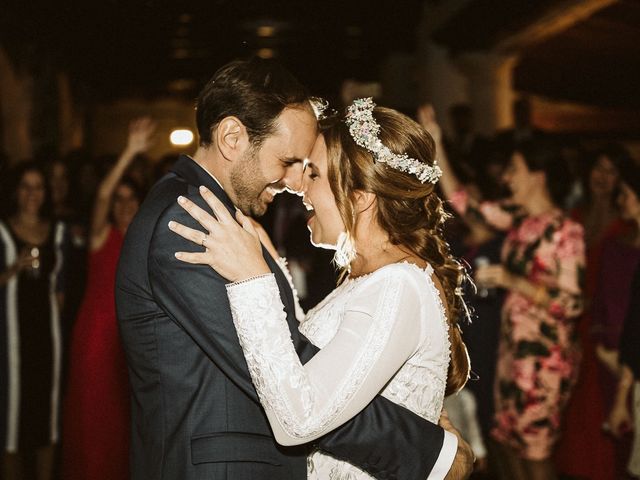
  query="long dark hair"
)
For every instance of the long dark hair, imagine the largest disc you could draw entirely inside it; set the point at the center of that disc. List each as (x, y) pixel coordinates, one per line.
(618, 155)
(16, 175)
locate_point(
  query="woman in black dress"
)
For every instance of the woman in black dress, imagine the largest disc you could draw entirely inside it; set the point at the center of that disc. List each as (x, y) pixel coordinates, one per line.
(32, 264)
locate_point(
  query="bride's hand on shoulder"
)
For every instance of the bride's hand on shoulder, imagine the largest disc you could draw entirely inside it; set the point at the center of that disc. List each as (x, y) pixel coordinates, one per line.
(231, 246)
(265, 239)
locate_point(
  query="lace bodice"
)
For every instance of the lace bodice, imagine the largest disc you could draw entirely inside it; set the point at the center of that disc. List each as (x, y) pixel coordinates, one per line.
(382, 333)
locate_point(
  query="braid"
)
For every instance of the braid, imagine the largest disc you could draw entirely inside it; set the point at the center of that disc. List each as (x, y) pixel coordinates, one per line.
(452, 274)
(426, 240)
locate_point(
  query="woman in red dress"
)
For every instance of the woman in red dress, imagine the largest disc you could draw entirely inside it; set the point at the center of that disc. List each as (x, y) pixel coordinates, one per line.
(585, 450)
(96, 421)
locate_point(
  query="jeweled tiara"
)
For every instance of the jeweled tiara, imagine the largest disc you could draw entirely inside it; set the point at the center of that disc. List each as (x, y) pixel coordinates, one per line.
(364, 130)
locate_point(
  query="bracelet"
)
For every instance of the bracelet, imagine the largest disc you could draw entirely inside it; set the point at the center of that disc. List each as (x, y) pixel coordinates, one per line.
(250, 279)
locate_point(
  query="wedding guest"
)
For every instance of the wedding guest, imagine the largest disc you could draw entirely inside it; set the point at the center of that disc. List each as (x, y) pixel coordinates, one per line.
(541, 270)
(32, 267)
(620, 258)
(585, 450)
(96, 413)
(621, 419)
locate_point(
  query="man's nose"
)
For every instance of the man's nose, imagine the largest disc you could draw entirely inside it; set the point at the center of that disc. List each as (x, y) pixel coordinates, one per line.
(293, 177)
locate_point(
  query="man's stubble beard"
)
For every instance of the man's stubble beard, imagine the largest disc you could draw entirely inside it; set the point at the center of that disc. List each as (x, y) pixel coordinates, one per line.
(248, 184)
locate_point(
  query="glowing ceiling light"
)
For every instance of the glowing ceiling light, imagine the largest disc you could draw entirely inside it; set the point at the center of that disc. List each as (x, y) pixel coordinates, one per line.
(266, 31)
(266, 53)
(181, 137)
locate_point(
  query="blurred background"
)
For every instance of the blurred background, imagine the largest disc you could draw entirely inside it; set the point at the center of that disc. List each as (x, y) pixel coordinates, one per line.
(69, 68)
(97, 101)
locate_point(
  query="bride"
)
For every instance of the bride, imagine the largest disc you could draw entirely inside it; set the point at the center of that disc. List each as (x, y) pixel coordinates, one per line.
(390, 327)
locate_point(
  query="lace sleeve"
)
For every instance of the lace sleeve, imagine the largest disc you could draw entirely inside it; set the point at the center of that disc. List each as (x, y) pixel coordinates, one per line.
(379, 332)
(284, 266)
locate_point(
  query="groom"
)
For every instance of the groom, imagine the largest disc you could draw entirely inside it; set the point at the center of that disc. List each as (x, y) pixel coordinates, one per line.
(195, 412)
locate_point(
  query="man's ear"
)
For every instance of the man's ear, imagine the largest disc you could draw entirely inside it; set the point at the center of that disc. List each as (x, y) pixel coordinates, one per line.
(232, 138)
(364, 200)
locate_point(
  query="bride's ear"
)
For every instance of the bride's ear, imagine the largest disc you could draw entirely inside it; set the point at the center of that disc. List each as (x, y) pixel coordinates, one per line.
(364, 200)
(232, 138)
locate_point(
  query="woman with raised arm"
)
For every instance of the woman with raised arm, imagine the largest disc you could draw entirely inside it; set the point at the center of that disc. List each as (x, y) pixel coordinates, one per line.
(390, 327)
(542, 271)
(96, 415)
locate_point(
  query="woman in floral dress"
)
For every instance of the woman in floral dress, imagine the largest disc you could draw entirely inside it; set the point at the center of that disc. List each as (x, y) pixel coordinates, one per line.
(542, 270)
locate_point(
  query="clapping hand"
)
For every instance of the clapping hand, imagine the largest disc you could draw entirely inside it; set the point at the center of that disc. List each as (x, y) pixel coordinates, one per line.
(25, 260)
(620, 421)
(492, 276)
(232, 246)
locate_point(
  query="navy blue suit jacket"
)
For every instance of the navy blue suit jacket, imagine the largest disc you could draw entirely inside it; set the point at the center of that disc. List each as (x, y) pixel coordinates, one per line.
(195, 412)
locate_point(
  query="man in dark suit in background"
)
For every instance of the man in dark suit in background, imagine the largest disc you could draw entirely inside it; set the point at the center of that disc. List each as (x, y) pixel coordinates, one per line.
(195, 413)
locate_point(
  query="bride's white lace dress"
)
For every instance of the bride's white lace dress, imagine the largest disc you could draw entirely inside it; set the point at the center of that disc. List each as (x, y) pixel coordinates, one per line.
(385, 332)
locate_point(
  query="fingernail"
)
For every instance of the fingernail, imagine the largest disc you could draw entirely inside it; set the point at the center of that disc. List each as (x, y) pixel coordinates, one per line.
(203, 189)
(178, 255)
(181, 200)
(172, 224)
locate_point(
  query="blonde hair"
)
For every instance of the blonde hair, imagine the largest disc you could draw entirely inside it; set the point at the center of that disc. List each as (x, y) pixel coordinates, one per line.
(409, 211)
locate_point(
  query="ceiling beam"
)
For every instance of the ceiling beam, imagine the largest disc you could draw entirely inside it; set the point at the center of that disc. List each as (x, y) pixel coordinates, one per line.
(557, 19)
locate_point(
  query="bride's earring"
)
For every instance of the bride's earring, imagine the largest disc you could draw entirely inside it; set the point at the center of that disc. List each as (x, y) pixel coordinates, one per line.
(345, 251)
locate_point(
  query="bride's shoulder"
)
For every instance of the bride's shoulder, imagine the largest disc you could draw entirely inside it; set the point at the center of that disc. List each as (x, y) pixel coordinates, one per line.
(402, 274)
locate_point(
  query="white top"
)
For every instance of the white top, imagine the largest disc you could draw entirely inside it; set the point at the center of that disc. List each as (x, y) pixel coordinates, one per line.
(383, 333)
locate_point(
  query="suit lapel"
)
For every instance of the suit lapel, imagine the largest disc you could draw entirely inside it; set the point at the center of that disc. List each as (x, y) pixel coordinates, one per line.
(195, 175)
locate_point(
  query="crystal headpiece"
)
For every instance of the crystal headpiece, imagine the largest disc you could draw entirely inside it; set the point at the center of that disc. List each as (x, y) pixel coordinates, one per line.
(364, 130)
(319, 106)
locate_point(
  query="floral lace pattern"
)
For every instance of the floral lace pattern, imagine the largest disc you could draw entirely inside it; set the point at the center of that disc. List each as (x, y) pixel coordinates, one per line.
(291, 399)
(418, 386)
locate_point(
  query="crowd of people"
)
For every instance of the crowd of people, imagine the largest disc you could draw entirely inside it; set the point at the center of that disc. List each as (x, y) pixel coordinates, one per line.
(554, 254)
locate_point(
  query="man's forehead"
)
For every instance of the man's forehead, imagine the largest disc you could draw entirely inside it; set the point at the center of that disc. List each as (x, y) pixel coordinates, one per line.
(296, 130)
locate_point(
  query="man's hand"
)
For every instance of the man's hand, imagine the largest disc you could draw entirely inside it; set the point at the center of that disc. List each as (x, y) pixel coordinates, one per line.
(463, 462)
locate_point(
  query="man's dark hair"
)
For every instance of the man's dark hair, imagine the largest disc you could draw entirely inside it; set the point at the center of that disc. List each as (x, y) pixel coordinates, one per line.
(255, 91)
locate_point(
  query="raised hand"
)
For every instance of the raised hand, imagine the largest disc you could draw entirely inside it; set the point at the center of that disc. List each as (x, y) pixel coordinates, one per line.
(231, 246)
(141, 132)
(427, 119)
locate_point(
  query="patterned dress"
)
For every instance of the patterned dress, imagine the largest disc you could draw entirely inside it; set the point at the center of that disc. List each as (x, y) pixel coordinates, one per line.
(538, 353)
(538, 349)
